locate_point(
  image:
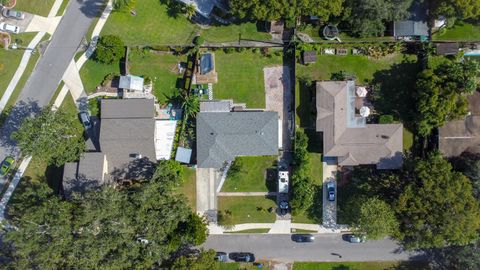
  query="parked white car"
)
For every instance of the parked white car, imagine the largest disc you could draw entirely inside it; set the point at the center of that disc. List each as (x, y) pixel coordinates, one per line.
(9, 28)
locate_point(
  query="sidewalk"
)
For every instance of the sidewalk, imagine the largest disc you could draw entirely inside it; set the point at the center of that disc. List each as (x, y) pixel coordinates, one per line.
(279, 227)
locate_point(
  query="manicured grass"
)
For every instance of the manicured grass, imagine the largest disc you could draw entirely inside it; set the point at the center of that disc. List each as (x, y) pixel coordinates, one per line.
(252, 176)
(189, 187)
(38, 7)
(9, 60)
(62, 8)
(406, 265)
(152, 25)
(460, 31)
(240, 76)
(161, 67)
(93, 73)
(407, 139)
(361, 66)
(253, 231)
(315, 33)
(247, 209)
(240, 266)
(302, 231)
(155, 24)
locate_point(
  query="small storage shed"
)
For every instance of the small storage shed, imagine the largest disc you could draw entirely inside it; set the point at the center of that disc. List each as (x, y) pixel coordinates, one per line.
(309, 57)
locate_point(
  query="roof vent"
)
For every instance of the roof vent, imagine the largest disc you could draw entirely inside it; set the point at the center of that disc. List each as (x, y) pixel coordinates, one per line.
(385, 137)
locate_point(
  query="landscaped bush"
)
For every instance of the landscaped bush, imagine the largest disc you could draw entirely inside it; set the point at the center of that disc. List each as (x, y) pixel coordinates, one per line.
(241, 49)
(110, 49)
(108, 78)
(225, 219)
(198, 41)
(256, 50)
(278, 53)
(229, 50)
(236, 167)
(302, 185)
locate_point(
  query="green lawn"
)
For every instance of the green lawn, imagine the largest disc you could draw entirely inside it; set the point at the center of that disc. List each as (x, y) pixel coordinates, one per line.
(460, 31)
(154, 24)
(240, 76)
(189, 187)
(253, 175)
(315, 33)
(387, 265)
(361, 66)
(248, 209)
(38, 7)
(161, 67)
(240, 266)
(93, 73)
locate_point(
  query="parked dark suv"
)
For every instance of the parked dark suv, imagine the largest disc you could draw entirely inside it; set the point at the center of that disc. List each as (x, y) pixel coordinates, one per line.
(242, 256)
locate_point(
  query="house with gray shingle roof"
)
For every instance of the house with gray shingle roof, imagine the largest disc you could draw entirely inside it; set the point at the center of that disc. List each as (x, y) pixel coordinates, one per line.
(127, 149)
(224, 135)
(347, 137)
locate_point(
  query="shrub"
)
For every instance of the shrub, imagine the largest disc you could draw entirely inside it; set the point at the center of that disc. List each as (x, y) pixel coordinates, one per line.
(236, 167)
(241, 49)
(386, 119)
(256, 50)
(198, 41)
(110, 49)
(278, 53)
(229, 50)
(225, 219)
(108, 78)
(290, 23)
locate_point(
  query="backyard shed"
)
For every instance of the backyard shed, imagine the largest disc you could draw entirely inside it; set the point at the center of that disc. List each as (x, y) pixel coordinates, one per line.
(164, 136)
(130, 82)
(447, 48)
(183, 155)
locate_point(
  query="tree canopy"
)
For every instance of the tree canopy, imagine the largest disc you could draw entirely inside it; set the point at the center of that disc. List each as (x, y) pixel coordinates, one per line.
(369, 17)
(110, 49)
(442, 94)
(286, 9)
(54, 137)
(136, 227)
(437, 208)
(203, 261)
(376, 219)
(463, 9)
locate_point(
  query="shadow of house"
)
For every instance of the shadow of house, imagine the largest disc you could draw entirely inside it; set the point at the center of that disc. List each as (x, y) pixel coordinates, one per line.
(126, 147)
(347, 137)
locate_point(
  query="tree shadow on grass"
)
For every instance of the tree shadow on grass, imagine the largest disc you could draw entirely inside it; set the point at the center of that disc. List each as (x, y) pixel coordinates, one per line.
(315, 212)
(315, 141)
(306, 108)
(395, 92)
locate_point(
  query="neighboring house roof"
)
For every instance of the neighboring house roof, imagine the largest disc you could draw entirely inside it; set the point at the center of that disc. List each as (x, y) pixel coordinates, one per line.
(410, 28)
(86, 174)
(204, 7)
(463, 135)
(447, 48)
(309, 57)
(347, 137)
(127, 108)
(221, 136)
(131, 82)
(127, 131)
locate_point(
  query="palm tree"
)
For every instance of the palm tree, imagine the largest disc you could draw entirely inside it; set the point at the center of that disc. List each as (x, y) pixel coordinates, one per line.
(190, 105)
(190, 10)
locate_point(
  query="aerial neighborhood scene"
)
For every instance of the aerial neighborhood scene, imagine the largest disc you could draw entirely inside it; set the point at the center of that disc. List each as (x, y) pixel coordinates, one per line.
(240, 134)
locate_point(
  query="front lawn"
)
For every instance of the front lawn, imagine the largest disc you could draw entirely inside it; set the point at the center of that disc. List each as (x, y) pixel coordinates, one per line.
(460, 31)
(248, 209)
(240, 76)
(161, 67)
(379, 265)
(252, 175)
(93, 73)
(188, 187)
(156, 24)
(240, 266)
(40, 7)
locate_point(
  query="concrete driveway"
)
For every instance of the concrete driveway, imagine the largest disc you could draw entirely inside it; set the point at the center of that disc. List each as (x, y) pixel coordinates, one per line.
(329, 207)
(206, 183)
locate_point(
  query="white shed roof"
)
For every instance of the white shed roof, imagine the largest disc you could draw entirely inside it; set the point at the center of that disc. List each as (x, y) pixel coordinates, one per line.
(164, 136)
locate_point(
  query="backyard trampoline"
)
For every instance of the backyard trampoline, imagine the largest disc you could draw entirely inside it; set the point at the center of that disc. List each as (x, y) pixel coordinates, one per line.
(330, 32)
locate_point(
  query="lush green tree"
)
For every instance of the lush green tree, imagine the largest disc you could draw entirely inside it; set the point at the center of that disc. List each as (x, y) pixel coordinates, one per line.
(300, 155)
(190, 105)
(54, 137)
(463, 9)
(469, 164)
(457, 258)
(136, 227)
(110, 49)
(442, 94)
(203, 261)
(190, 10)
(287, 9)
(376, 219)
(302, 193)
(369, 17)
(437, 208)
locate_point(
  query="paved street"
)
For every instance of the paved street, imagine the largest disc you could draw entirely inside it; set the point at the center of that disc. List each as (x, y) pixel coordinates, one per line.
(327, 247)
(43, 82)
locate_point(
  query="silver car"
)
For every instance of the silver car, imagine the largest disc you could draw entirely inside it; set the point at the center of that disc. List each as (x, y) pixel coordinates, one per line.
(11, 13)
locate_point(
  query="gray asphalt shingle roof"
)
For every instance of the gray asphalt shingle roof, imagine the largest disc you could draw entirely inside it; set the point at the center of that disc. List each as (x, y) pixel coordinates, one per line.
(372, 144)
(86, 174)
(221, 136)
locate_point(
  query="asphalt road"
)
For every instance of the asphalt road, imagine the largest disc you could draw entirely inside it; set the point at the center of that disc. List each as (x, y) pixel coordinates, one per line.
(326, 247)
(45, 78)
